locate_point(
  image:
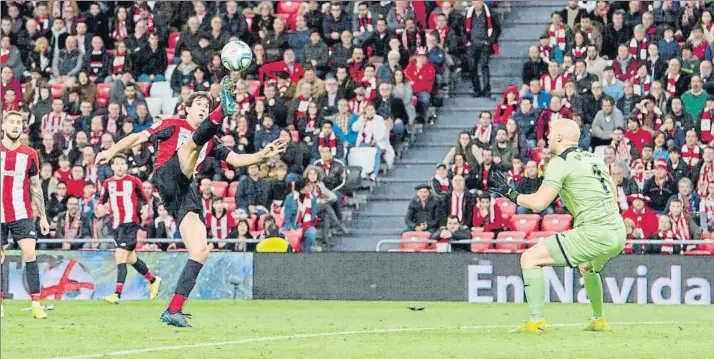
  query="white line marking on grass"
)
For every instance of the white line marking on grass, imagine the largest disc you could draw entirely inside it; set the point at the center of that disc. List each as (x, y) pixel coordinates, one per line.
(329, 334)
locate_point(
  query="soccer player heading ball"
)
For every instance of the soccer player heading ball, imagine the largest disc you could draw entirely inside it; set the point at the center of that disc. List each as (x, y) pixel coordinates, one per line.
(584, 184)
(183, 145)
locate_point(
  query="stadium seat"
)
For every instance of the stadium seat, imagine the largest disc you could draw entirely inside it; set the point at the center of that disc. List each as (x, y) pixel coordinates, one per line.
(144, 86)
(102, 102)
(232, 188)
(288, 7)
(508, 247)
(362, 157)
(57, 90)
(168, 105)
(220, 188)
(294, 237)
(154, 105)
(525, 222)
(408, 237)
(599, 152)
(556, 222)
(253, 87)
(169, 71)
(103, 90)
(507, 207)
(538, 236)
(173, 39)
(161, 89)
(481, 247)
(703, 249)
(432, 19)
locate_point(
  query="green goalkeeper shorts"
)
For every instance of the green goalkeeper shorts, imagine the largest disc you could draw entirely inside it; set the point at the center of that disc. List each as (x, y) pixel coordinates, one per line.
(586, 244)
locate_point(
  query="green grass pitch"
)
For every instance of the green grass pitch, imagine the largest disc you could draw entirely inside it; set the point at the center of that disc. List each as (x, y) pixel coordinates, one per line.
(369, 330)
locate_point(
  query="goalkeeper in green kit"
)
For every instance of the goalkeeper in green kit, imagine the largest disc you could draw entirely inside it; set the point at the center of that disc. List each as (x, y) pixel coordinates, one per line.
(584, 184)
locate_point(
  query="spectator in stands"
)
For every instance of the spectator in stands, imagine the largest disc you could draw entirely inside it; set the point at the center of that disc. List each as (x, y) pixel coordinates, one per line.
(393, 111)
(534, 68)
(48, 181)
(644, 218)
(183, 73)
(300, 213)
(342, 52)
(530, 184)
(665, 234)
(660, 187)
(300, 36)
(526, 116)
(625, 185)
(220, 224)
(423, 212)
(676, 81)
(683, 225)
(706, 211)
(49, 153)
(57, 202)
(333, 25)
(67, 63)
(205, 187)
(73, 225)
(412, 37)
(335, 175)
(507, 106)
(457, 202)
(556, 111)
(615, 33)
(625, 150)
(151, 61)
(482, 31)
(275, 40)
(595, 63)
(117, 93)
(441, 182)
(487, 216)
(267, 133)
(140, 161)
(503, 150)
(397, 16)
(58, 35)
(314, 175)
(539, 98)
(253, 192)
(611, 85)
(327, 137)
(315, 54)
(553, 80)
(695, 99)
(40, 59)
(581, 79)
(12, 58)
(606, 121)
(689, 200)
(163, 227)
(298, 106)
(328, 100)
(293, 154)
(453, 231)
(516, 138)
(372, 132)
(704, 172)
(310, 77)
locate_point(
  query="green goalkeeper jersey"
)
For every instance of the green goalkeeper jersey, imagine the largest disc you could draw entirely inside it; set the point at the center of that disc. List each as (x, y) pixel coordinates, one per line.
(584, 184)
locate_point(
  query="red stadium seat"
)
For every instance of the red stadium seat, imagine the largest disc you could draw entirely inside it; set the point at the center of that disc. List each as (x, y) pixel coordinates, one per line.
(557, 222)
(414, 101)
(230, 203)
(525, 222)
(144, 86)
(507, 247)
(102, 102)
(481, 247)
(103, 90)
(57, 91)
(170, 56)
(173, 39)
(507, 207)
(288, 7)
(703, 249)
(294, 237)
(220, 188)
(432, 19)
(407, 237)
(232, 188)
(253, 87)
(539, 236)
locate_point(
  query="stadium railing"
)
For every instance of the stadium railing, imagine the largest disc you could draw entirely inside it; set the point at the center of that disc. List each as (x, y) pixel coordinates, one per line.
(383, 242)
(147, 241)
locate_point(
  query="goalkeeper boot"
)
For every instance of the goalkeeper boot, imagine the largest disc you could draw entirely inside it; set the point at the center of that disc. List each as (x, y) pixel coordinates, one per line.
(227, 96)
(112, 299)
(39, 312)
(154, 288)
(533, 327)
(598, 325)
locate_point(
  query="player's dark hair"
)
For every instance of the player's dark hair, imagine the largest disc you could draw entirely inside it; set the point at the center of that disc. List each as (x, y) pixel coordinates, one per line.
(196, 95)
(120, 156)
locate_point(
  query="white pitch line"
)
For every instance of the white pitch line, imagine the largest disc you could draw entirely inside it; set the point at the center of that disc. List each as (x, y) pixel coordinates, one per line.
(329, 334)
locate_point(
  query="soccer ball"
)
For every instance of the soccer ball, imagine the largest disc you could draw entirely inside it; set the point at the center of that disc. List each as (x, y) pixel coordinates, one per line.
(236, 56)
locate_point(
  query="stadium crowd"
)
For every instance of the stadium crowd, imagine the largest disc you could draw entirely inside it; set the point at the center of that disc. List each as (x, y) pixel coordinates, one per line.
(637, 76)
(343, 81)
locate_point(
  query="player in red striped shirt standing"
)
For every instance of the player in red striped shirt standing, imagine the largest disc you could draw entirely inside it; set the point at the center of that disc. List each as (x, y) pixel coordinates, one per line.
(21, 193)
(124, 196)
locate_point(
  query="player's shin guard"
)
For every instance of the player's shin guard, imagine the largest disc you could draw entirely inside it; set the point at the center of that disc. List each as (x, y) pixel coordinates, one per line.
(535, 292)
(185, 285)
(121, 278)
(33, 282)
(208, 128)
(141, 267)
(593, 288)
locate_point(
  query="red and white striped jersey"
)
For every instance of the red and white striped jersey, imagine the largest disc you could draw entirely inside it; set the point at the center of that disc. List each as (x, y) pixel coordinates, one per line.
(206, 203)
(125, 198)
(219, 228)
(17, 167)
(52, 122)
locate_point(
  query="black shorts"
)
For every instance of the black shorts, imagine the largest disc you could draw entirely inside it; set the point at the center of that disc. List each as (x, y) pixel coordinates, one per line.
(20, 229)
(179, 194)
(125, 236)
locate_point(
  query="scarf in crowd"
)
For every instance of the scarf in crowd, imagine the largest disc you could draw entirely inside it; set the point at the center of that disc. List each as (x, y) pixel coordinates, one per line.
(118, 63)
(357, 106)
(443, 182)
(667, 242)
(94, 137)
(142, 14)
(206, 204)
(706, 127)
(691, 156)
(302, 106)
(491, 217)
(638, 49)
(706, 175)
(442, 35)
(3, 56)
(96, 63)
(43, 24)
(52, 122)
(330, 142)
(464, 170)
(640, 86)
(14, 106)
(368, 131)
(637, 170)
(708, 205)
(545, 53)
(326, 165)
(483, 134)
(244, 104)
(229, 124)
(112, 123)
(484, 174)
(671, 89)
(365, 24)
(413, 37)
(457, 205)
(92, 173)
(304, 215)
(120, 33)
(549, 83)
(579, 52)
(651, 120)
(310, 124)
(71, 227)
(681, 227)
(489, 22)
(622, 150)
(512, 176)
(557, 36)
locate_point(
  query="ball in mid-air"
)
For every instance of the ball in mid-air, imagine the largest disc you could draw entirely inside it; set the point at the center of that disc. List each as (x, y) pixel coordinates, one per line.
(236, 56)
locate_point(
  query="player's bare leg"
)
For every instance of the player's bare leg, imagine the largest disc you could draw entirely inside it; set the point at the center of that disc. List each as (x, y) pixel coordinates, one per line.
(193, 232)
(27, 245)
(141, 268)
(532, 262)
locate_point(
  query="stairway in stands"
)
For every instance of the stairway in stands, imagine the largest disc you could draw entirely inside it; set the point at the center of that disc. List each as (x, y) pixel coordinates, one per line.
(382, 217)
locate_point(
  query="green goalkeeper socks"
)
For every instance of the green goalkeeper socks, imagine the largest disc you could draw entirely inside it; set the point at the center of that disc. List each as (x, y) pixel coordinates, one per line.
(593, 288)
(535, 292)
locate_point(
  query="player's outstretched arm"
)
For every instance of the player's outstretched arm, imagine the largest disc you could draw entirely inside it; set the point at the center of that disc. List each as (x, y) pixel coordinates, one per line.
(272, 149)
(121, 146)
(38, 202)
(540, 200)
